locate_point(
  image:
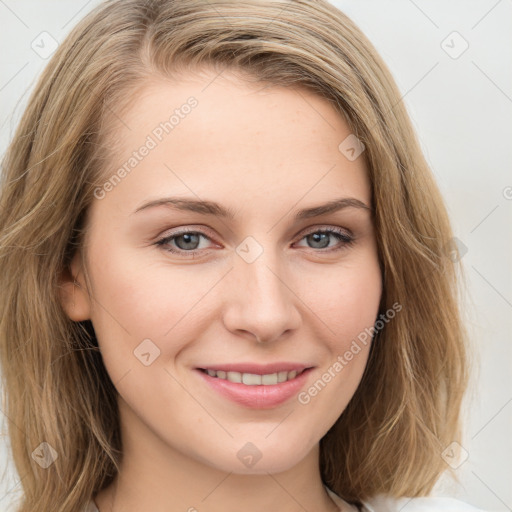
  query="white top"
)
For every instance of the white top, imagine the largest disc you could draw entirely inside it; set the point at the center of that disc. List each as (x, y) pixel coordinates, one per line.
(382, 503)
(385, 504)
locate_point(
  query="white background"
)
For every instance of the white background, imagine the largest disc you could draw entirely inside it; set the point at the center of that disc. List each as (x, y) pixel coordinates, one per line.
(462, 110)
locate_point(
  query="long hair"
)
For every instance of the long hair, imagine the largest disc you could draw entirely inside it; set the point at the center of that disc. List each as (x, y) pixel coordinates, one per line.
(406, 410)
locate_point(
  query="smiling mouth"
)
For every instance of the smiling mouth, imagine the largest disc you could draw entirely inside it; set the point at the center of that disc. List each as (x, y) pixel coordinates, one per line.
(253, 379)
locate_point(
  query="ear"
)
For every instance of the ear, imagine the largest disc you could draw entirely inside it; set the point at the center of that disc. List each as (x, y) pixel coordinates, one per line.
(73, 293)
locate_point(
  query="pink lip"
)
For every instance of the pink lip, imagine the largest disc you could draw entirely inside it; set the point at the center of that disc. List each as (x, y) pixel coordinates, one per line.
(256, 397)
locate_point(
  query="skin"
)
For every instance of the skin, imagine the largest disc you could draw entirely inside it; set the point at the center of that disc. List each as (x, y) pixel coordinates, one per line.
(264, 152)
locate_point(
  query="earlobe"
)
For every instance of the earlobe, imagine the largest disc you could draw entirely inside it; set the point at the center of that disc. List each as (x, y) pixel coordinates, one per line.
(73, 294)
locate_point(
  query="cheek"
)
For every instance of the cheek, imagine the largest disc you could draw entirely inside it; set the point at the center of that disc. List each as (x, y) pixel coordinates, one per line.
(345, 308)
(134, 300)
(345, 300)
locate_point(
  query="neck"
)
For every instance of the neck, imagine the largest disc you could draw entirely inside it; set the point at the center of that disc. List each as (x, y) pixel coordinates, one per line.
(155, 476)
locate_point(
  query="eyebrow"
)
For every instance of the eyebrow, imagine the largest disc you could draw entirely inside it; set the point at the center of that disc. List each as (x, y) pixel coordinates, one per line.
(213, 208)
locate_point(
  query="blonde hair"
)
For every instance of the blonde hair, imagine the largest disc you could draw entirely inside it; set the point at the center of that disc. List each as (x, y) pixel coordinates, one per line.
(406, 409)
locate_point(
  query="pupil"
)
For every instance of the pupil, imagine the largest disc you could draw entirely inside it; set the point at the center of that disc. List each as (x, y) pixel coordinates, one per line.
(189, 239)
(318, 236)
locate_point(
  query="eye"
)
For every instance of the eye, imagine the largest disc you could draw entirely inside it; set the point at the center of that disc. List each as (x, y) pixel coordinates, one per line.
(183, 242)
(189, 242)
(321, 239)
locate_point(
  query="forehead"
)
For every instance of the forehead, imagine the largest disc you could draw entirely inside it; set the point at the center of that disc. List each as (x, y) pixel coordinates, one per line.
(221, 133)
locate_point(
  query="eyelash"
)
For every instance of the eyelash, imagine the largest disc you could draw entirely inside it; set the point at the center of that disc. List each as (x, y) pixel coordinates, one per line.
(342, 236)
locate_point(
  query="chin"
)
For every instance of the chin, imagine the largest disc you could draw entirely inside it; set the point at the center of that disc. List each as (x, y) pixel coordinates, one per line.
(251, 460)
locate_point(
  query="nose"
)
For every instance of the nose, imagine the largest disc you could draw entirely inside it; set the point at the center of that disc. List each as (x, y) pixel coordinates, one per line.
(262, 301)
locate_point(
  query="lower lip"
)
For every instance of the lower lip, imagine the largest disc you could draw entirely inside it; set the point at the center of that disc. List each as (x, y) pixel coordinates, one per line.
(259, 396)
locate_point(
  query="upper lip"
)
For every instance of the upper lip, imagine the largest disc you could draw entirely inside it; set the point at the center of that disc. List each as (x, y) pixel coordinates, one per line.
(257, 369)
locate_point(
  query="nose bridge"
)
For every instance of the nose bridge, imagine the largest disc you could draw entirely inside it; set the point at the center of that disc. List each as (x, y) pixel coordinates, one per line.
(263, 303)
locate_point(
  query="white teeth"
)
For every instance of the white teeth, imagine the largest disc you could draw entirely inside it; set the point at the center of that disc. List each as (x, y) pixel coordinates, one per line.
(252, 379)
(269, 379)
(282, 376)
(234, 377)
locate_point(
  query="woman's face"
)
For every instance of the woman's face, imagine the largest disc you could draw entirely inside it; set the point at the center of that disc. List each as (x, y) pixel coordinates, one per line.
(210, 248)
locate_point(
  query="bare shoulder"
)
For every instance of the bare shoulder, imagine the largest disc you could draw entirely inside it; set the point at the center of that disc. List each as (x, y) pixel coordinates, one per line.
(424, 504)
